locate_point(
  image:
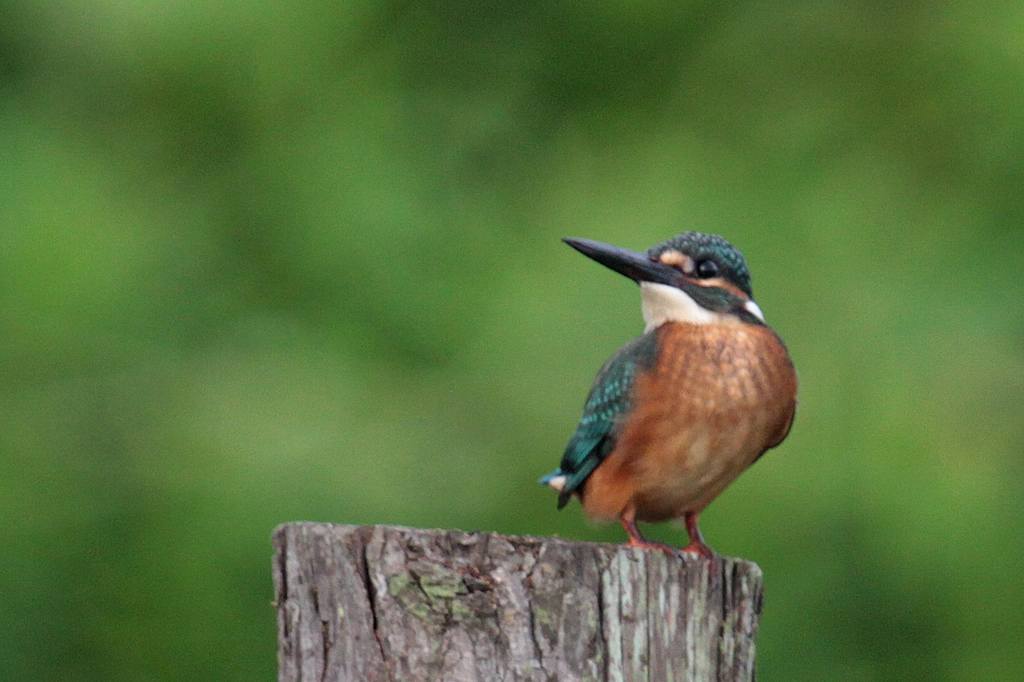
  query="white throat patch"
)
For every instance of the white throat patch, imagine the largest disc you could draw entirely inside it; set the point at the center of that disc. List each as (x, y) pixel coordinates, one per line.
(662, 303)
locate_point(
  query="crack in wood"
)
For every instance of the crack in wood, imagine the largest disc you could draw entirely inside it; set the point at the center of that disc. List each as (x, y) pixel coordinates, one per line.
(371, 598)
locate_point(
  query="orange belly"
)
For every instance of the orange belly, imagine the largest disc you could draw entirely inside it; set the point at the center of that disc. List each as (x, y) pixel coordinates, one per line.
(717, 397)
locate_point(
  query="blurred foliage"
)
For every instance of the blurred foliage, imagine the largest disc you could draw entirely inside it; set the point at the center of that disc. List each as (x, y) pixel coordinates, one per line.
(262, 264)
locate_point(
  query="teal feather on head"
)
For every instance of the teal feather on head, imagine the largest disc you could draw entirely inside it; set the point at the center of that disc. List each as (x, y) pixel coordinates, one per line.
(699, 246)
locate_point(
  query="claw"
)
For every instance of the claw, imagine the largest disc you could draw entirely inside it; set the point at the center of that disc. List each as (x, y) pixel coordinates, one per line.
(647, 544)
(698, 550)
(696, 547)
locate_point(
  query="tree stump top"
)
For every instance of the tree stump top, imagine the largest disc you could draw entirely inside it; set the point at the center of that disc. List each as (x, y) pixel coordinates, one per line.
(368, 603)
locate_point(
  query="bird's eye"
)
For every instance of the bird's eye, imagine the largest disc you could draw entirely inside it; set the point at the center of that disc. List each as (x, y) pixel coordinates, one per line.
(707, 268)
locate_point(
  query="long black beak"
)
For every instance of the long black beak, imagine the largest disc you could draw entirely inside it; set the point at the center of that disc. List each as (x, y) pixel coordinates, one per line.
(637, 266)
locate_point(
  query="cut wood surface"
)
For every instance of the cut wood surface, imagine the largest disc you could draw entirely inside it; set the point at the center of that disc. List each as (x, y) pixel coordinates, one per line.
(375, 603)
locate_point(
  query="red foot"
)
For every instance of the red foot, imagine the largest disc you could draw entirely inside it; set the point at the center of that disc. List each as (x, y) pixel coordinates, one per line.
(699, 550)
(696, 547)
(647, 544)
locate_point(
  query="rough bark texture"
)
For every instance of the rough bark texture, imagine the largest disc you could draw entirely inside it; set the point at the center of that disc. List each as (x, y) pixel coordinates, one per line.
(376, 603)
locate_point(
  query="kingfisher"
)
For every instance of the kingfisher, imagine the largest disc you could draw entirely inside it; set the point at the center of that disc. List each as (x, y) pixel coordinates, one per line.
(678, 413)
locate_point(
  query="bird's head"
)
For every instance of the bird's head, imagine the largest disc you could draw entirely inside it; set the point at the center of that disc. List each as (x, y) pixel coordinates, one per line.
(695, 277)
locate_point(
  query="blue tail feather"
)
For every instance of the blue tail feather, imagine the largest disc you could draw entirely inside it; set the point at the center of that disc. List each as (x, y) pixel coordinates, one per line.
(547, 478)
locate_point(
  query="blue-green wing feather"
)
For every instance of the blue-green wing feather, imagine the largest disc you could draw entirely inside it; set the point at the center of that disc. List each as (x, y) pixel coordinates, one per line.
(609, 400)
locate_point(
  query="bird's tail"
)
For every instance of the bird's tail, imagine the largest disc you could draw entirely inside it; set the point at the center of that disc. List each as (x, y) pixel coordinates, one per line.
(559, 481)
(556, 479)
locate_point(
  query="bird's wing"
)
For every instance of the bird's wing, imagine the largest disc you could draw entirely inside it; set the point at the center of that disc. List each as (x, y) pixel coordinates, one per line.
(610, 398)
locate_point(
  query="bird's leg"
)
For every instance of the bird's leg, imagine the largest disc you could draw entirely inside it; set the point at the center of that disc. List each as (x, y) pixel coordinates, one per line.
(628, 521)
(696, 545)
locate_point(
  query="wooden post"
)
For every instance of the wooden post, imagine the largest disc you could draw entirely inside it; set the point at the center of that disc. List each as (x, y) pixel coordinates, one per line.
(380, 603)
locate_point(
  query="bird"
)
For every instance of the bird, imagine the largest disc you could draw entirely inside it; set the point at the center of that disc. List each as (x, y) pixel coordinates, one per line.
(678, 413)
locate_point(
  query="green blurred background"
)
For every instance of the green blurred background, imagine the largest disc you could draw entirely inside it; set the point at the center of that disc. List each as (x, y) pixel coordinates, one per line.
(262, 264)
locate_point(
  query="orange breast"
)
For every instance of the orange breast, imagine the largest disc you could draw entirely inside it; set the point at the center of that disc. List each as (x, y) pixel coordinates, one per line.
(717, 397)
